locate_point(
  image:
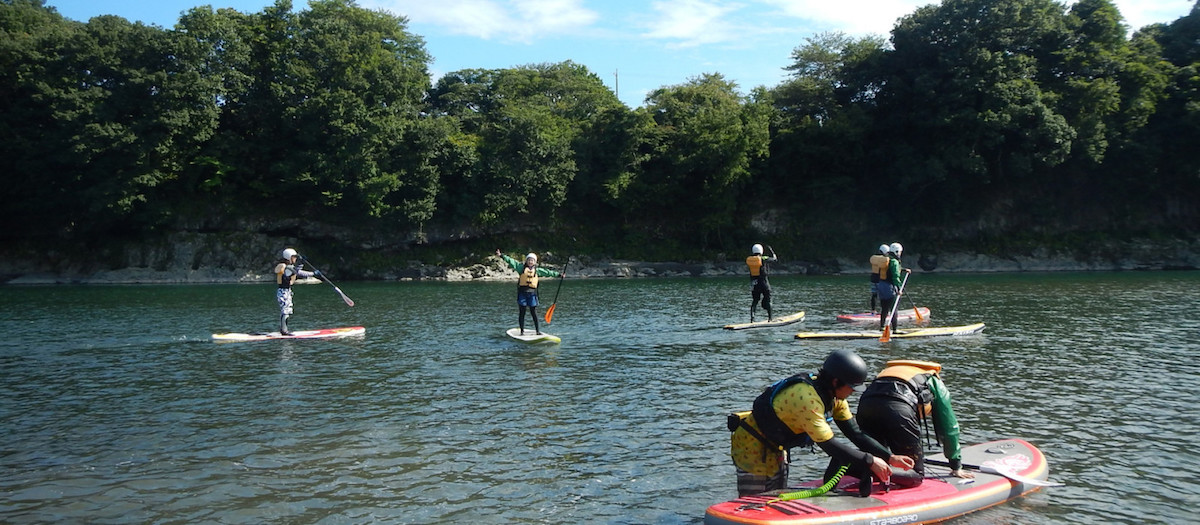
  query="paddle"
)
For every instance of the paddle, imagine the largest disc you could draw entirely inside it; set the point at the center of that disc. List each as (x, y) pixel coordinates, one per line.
(887, 327)
(553, 304)
(916, 310)
(326, 279)
(993, 469)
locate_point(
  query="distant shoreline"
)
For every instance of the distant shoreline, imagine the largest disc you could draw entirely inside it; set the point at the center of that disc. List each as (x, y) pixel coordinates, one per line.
(494, 270)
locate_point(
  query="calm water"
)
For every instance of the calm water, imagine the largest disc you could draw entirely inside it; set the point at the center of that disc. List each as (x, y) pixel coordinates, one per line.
(117, 408)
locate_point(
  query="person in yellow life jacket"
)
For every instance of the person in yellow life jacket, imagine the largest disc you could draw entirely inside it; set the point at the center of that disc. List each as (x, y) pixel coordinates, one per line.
(287, 270)
(795, 412)
(904, 395)
(760, 287)
(879, 263)
(527, 283)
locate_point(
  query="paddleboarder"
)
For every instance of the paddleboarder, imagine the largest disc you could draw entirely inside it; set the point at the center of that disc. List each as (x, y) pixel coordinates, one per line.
(889, 286)
(879, 263)
(760, 288)
(904, 395)
(795, 412)
(527, 283)
(287, 270)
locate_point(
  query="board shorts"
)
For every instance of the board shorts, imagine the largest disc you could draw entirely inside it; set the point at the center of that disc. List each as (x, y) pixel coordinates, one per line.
(527, 297)
(284, 297)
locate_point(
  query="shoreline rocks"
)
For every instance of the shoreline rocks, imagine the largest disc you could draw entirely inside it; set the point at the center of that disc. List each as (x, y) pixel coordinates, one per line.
(197, 262)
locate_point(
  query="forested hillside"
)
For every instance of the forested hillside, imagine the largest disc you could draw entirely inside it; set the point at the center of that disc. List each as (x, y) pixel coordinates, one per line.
(976, 124)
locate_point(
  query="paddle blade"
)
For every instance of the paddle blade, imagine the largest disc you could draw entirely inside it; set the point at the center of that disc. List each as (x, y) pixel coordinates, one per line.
(887, 334)
(550, 312)
(920, 318)
(344, 297)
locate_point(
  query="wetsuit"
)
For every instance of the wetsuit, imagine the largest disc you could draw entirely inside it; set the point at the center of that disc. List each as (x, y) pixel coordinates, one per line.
(892, 407)
(760, 287)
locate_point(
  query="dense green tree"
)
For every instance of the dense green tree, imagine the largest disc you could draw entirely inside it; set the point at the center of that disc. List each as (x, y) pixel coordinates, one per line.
(962, 115)
(530, 129)
(704, 139)
(119, 108)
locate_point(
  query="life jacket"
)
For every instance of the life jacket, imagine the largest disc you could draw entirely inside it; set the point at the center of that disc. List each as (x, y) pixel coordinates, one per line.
(757, 267)
(915, 376)
(529, 278)
(285, 274)
(879, 267)
(772, 431)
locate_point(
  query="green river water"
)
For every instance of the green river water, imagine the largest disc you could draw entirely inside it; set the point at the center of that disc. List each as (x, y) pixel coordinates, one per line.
(118, 408)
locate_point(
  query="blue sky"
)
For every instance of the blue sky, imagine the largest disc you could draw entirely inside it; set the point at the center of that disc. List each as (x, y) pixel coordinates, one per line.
(634, 46)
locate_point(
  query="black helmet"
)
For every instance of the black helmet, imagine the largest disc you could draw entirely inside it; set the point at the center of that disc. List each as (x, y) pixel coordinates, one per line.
(847, 367)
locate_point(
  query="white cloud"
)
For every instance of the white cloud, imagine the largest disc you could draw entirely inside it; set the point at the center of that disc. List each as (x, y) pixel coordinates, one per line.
(514, 20)
(1141, 13)
(691, 22)
(855, 17)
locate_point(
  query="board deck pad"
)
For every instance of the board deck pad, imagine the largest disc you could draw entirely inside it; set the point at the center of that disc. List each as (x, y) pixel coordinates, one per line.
(905, 333)
(940, 497)
(324, 333)
(532, 337)
(778, 321)
(903, 315)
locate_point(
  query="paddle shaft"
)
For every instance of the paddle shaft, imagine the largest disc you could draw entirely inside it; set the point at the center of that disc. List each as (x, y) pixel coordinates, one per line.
(887, 327)
(990, 470)
(562, 275)
(326, 279)
(916, 310)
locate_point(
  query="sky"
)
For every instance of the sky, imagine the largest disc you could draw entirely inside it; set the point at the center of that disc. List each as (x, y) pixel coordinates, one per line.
(633, 46)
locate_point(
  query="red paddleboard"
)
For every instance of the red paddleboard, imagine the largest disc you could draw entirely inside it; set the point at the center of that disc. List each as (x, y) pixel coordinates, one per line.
(902, 315)
(1004, 470)
(324, 333)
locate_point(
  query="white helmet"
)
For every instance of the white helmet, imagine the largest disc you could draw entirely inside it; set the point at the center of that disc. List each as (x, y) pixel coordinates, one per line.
(756, 249)
(883, 248)
(896, 248)
(531, 256)
(288, 253)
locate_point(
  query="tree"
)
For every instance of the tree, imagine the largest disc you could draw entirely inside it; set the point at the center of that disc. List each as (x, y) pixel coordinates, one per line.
(961, 108)
(704, 139)
(118, 109)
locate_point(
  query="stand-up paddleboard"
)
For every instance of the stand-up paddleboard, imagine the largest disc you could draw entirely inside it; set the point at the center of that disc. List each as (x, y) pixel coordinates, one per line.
(906, 333)
(1022, 469)
(778, 321)
(902, 315)
(325, 333)
(532, 337)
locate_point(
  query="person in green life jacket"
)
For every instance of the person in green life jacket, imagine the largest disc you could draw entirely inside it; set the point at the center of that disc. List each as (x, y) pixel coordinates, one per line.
(905, 394)
(760, 287)
(795, 412)
(879, 264)
(287, 270)
(889, 286)
(527, 283)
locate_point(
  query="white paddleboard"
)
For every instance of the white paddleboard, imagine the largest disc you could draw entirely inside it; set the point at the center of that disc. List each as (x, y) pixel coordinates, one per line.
(532, 337)
(325, 333)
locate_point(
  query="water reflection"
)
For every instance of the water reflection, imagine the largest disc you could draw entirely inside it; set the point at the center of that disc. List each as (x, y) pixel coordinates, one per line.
(117, 408)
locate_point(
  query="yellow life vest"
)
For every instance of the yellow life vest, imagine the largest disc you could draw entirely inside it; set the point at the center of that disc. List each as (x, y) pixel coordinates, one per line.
(879, 265)
(755, 262)
(529, 278)
(907, 369)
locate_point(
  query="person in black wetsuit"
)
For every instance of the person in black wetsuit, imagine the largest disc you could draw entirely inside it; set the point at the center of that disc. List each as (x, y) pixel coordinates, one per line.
(894, 405)
(760, 287)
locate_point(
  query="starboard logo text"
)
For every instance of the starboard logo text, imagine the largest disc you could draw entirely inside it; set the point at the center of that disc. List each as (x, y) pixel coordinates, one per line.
(908, 518)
